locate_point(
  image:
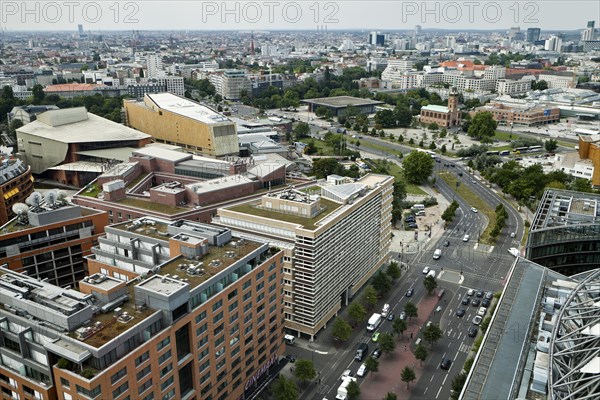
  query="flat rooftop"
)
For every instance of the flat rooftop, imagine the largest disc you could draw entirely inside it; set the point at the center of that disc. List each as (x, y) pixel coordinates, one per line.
(186, 108)
(561, 208)
(219, 183)
(16, 225)
(342, 101)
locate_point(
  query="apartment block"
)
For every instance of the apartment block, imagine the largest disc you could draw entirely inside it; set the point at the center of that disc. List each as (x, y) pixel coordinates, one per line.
(50, 241)
(231, 83)
(511, 86)
(335, 238)
(170, 311)
(520, 115)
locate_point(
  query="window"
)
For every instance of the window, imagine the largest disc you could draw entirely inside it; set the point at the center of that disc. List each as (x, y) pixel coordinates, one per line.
(217, 305)
(182, 339)
(165, 342)
(200, 317)
(166, 370)
(169, 395)
(150, 396)
(204, 365)
(141, 359)
(202, 329)
(164, 357)
(233, 306)
(12, 345)
(145, 386)
(260, 275)
(65, 382)
(247, 284)
(92, 394)
(143, 373)
(121, 373)
(232, 294)
(120, 390)
(166, 383)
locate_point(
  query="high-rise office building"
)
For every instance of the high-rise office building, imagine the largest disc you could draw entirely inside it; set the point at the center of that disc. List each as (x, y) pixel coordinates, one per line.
(170, 311)
(154, 65)
(554, 43)
(335, 236)
(376, 38)
(533, 34)
(589, 33)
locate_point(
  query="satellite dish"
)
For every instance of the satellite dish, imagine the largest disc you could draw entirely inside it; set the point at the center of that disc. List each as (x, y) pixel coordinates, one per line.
(61, 195)
(50, 198)
(34, 199)
(20, 208)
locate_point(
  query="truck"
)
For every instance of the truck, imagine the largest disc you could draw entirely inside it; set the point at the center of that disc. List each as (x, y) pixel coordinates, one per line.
(385, 311)
(361, 352)
(374, 322)
(342, 392)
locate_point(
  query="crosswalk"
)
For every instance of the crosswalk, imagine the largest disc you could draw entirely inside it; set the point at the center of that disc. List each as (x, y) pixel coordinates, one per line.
(464, 348)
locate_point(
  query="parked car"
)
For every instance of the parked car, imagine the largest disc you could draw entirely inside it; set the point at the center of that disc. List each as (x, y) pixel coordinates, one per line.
(446, 363)
(485, 302)
(362, 370)
(460, 312)
(465, 301)
(489, 295)
(482, 311)
(409, 292)
(473, 331)
(377, 353)
(477, 320)
(474, 210)
(479, 293)
(402, 315)
(470, 292)
(475, 302)
(291, 358)
(390, 317)
(426, 270)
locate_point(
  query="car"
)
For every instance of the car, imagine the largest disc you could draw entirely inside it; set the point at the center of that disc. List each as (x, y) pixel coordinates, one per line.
(375, 336)
(466, 238)
(390, 317)
(474, 210)
(409, 292)
(460, 312)
(446, 243)
(475, 302)
(485, 302)
(473, 181)
(512, 234)
(514, 251)
(420, 213)
(291, 358)
(446, 363)
(452, 165)
(409, 219)
(446, 165)
(470, 292)
(460, 174)
(465, 301)
(377, 353)
(362, 370)
(473, 331)
(402, 315)
(481, 311)
(477, 320)
(426, 270)
(345, 374)
(489, 295)
(479, 293)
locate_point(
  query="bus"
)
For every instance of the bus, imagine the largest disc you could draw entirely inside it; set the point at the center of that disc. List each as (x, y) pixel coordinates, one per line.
(430, 152)
(504, 153)
(520, 149)
(532, 149)
(492, 153)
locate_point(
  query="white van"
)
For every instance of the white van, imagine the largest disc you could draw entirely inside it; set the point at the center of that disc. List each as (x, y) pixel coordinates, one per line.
(289, 339)
(431, 274)
(418, 207)
(437, 254)
(386, 310)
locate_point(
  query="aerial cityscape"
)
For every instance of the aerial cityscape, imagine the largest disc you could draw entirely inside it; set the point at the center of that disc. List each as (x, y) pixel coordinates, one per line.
(299, 200)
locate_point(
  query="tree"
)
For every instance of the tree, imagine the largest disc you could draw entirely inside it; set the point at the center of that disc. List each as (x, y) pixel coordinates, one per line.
(372, 365)
(353, 390)
(370, 297)
(444, 149)
(357, 312)
(550, 145)
(430, 283)
(417, 167)
(410, 309)
(457, 385)
(483, 127)
(341, 329)
(432, 333)
(387, 343)
(433, 126)
(539, 85)
(7, 94)
(285, 389)
(390, 396)
(382, 283)
(217, 98)
(421, 353)
(326, 166)
(305, 370)
(38, 93)
(393, 271)
(12, 128)
(301, 130)
(399, 326)
(408, 375)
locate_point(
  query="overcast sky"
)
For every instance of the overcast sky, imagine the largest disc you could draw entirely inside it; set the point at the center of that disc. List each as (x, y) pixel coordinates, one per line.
(294, 15)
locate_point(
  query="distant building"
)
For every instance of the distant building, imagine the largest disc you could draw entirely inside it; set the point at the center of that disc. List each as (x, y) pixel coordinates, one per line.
(198, 128)
(533, 34)
(154, 66)
(442, 116)
(27, 114)
(559, 79)
(589, 33)
(71, 90)
(315, 227)
(376, 39)
(589, 149)
(339, 104)
(53, 144)
(512, 86)
(231, 83)
(564, 232)
(520, 114)
(16, 184)
(50, 241)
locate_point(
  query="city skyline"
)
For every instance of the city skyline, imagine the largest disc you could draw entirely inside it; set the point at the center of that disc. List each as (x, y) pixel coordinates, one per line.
(290, 15)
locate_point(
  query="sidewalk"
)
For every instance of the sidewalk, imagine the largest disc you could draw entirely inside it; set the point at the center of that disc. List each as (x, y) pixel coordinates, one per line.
(388, 378)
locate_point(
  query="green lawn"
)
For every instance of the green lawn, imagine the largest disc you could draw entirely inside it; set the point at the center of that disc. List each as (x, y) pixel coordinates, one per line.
(470, 197)
(150, 206)
(92, 191)
(395, 171)
(378, 148)
(505, 136)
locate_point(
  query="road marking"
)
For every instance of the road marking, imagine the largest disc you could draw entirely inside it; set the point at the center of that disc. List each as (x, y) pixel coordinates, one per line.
(432, 378)
(446, 377)
(438, 393)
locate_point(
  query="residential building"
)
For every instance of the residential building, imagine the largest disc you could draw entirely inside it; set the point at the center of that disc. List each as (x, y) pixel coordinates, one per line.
(57, 143)
(178, 121)
(553, 43)
(339, 104)
(319, 228)
(154, 66)
(525, 114)
(170, 311)
(172, 84)
(513, 86)
(441, 115)
(396, 68)
(557, 80)
(564, 232)
(589, 149)
(572, 164)
(231, 83)
(49, 240)
(16, 184)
